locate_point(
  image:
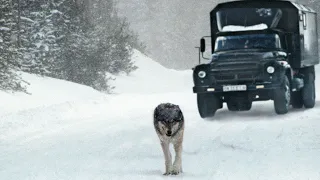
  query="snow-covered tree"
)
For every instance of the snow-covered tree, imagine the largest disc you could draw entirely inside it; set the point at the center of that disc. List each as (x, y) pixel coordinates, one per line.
(38, 40)
(112, 38)
(9, 65)
(99, 43)
(79, 41)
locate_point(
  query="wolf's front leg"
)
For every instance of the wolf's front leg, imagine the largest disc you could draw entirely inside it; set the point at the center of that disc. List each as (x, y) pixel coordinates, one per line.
(177, 165)
(167, 157)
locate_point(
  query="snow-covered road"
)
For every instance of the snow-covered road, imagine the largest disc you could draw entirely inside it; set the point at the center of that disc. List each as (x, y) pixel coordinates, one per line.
(117, 141)
(110, 137)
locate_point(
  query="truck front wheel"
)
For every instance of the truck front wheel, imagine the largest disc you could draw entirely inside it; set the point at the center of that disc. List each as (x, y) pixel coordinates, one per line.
(208, 104)
(282, 97)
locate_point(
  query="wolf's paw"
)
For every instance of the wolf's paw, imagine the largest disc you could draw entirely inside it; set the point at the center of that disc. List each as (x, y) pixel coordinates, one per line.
(176, 171)
(166, 173)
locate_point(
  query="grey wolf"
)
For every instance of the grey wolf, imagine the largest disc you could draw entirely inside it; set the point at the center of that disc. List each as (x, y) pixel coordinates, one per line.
(168, 122)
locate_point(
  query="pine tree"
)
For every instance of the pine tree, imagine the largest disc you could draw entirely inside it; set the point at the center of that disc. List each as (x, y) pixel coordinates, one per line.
(39, 37)
(112, 37)
(99, 43)
(9, 65)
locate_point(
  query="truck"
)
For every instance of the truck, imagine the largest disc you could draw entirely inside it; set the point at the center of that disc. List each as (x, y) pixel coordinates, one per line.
(261, 50)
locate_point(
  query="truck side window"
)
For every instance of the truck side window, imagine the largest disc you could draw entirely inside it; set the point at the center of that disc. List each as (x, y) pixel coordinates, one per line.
(304, 20)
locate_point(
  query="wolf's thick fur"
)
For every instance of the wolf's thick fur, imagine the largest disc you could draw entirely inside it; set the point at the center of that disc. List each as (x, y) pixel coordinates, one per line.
(169, 125)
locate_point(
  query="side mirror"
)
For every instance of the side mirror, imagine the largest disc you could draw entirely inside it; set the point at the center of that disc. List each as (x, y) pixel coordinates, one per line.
(202, 45)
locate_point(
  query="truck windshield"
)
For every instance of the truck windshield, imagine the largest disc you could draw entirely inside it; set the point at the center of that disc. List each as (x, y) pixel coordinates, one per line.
(248, 17)
(252, 41)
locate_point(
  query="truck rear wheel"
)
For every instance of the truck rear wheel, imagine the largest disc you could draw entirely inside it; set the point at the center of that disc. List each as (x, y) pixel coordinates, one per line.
(208, 104)
(282, 97)
(308, 91)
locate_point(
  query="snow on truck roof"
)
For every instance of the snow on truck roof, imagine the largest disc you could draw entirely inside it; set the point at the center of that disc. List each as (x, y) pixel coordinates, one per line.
(233, 28)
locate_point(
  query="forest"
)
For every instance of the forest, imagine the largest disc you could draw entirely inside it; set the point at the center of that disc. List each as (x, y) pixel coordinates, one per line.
(79, 41)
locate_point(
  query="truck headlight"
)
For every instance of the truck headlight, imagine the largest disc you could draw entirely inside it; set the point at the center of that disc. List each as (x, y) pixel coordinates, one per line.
(202, 74)
(270, 69)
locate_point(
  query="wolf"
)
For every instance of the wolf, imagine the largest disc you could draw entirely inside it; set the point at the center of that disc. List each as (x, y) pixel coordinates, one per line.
(169, 125)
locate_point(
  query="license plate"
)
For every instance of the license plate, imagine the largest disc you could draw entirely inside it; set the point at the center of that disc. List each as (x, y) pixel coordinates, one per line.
(235, 88)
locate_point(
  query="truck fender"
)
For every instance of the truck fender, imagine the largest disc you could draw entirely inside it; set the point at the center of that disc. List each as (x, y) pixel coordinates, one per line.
(288, 70)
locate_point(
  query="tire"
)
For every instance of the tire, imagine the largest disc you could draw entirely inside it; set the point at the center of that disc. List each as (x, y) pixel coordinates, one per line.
(296, 99)
(308, 92)
(208, 104)
(282, 97)
(239, 106)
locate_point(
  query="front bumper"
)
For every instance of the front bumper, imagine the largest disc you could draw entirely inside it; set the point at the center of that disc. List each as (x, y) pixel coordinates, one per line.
(250, 87)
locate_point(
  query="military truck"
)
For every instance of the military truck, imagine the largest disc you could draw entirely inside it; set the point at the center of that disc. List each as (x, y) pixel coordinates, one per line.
(260, 50)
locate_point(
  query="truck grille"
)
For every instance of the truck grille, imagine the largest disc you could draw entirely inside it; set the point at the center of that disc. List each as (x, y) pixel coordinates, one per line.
(223, 66)
(236, 71)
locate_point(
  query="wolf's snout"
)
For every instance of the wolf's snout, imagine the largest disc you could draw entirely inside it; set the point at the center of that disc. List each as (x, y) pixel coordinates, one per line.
(169, 132)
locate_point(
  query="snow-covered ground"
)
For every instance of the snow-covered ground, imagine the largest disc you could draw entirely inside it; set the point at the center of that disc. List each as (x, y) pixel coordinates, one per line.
(66, 131)
(151, 77)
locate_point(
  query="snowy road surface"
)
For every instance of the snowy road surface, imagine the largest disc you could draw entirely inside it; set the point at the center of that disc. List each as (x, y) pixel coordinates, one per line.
(112, 137)
(118, 142)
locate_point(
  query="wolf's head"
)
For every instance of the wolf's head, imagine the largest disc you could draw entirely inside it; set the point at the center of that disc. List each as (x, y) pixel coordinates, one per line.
(168, 118)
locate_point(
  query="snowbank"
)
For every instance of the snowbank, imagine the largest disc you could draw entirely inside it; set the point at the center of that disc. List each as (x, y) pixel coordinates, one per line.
(45, 91)
(151, 77)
